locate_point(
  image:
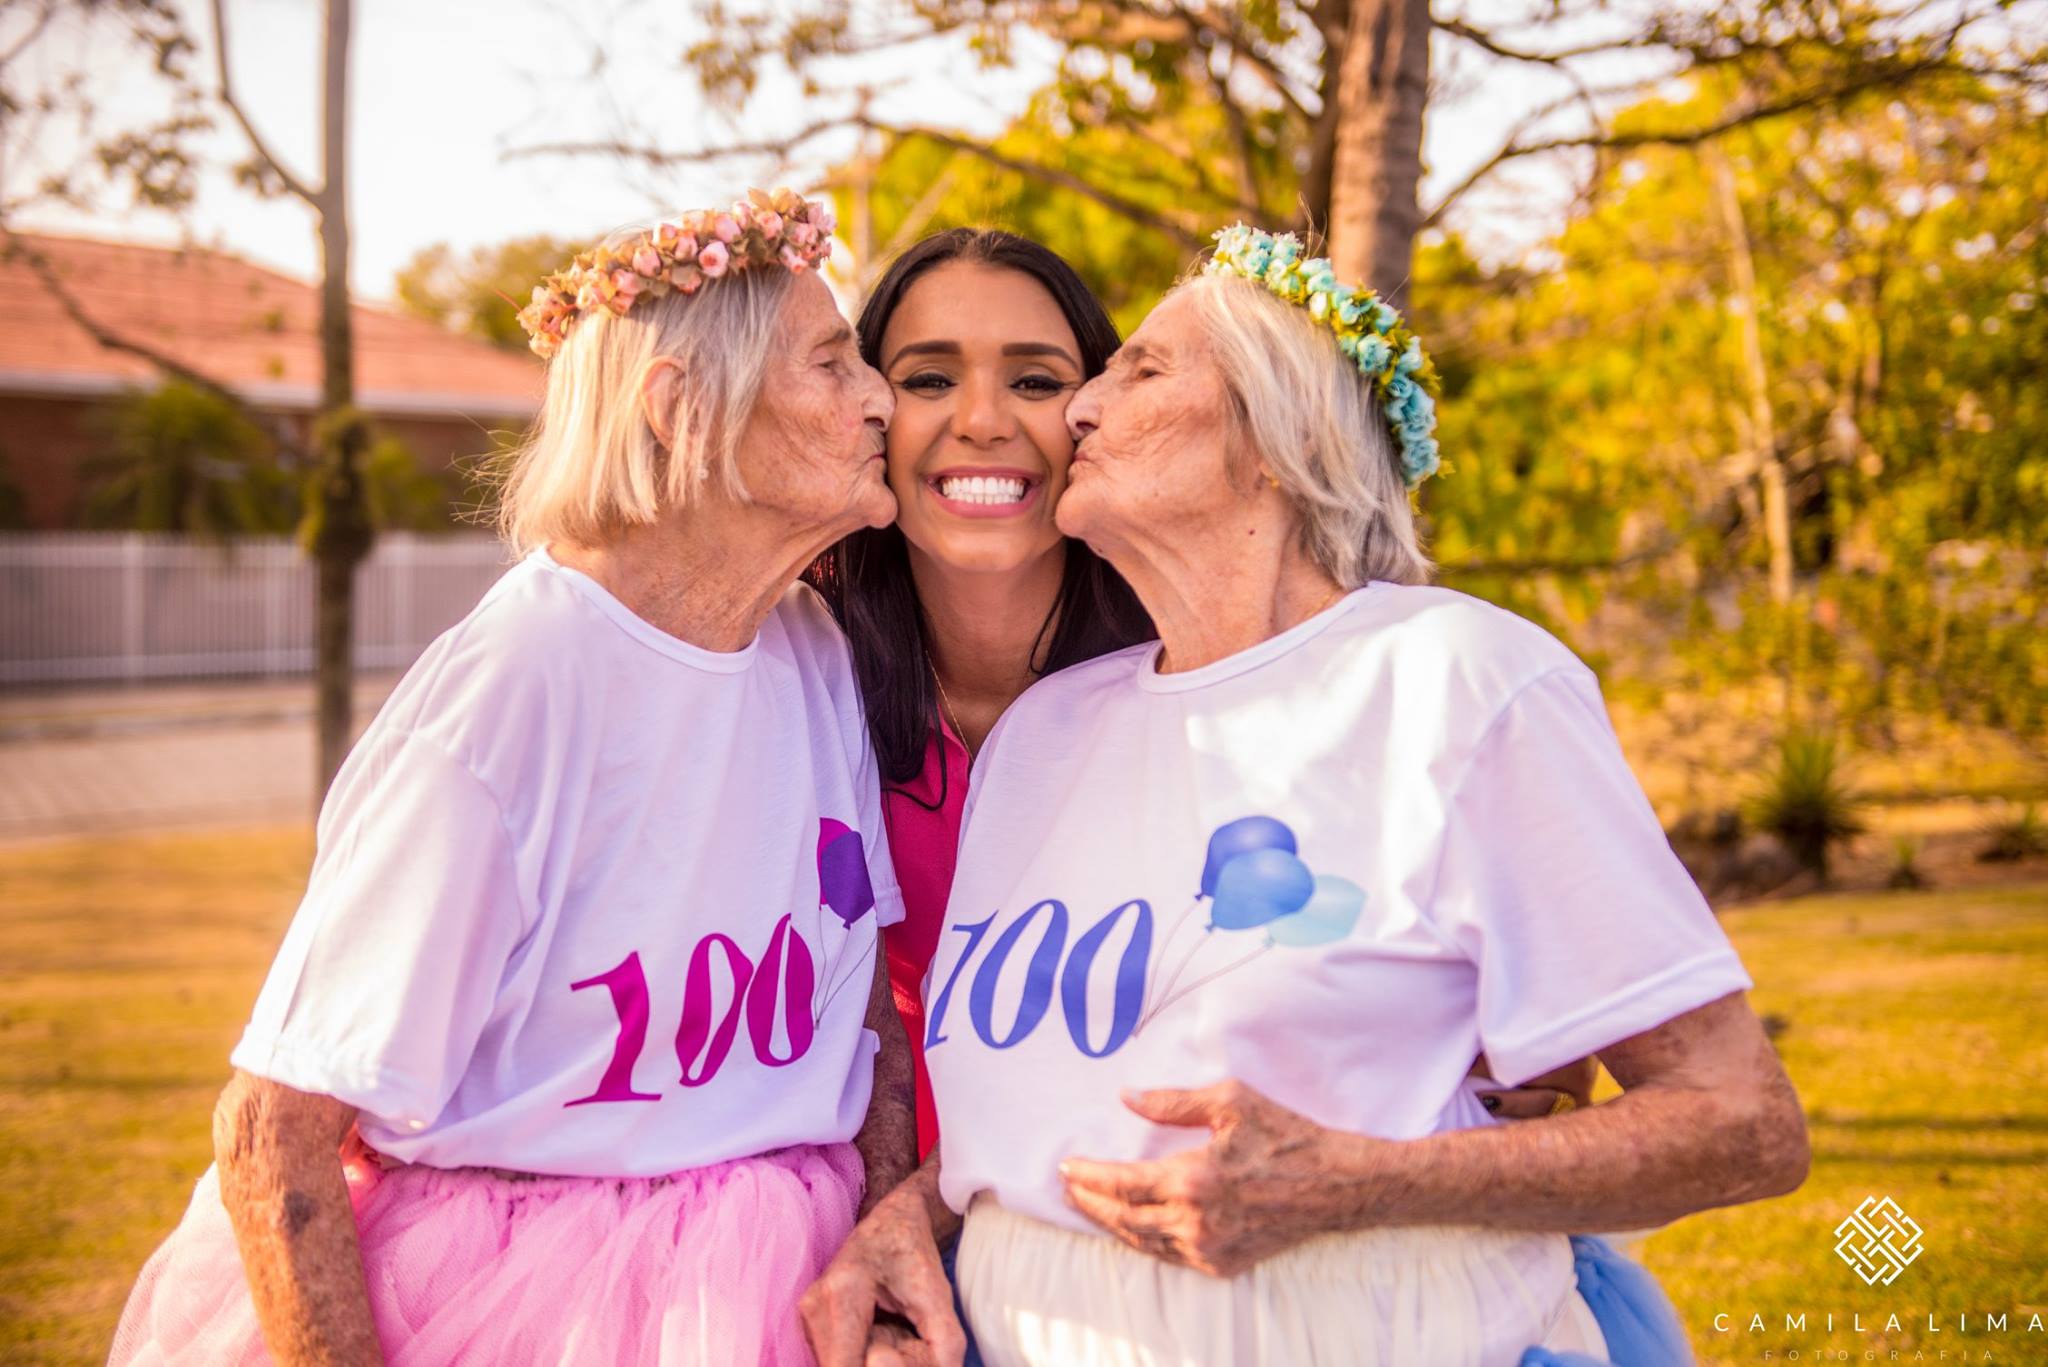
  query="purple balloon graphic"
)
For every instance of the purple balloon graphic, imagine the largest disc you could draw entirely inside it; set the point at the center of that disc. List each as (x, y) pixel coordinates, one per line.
(843, 872)
(1243, 836)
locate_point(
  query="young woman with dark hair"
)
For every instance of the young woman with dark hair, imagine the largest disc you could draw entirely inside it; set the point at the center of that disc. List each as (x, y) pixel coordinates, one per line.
(973, 594)
(967, 600)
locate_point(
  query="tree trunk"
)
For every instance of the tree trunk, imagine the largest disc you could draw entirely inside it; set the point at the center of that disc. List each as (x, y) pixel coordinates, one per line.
(1382, 85)
(1763, 434)
(1332, 19)
(340, 534)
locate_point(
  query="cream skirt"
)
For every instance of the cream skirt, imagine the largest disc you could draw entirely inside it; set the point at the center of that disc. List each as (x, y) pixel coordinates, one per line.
(1421, 1297)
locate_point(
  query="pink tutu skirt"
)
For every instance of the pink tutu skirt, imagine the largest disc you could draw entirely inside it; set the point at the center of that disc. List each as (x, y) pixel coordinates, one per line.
(702, 1268)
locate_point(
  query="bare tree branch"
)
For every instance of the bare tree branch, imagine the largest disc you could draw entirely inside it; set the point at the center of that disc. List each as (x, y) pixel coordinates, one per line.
(234, 106)
(1486, 42)
(1698, 37)
(1875, 78)
(47, 12)
(1225, 22)
(1582, 94)
(654, 156)
(1050, 175)
(913, 225)
(1181, 157)
(1225, 29)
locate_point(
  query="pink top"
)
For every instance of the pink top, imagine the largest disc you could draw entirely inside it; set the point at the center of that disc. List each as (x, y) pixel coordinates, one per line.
(924, 838)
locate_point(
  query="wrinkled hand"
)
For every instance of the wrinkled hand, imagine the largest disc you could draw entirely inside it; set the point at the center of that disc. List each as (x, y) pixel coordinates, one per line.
(890, 1262)
(1561, 1089)
(891, 1345)
(1527, 1103)
(1263, 1183)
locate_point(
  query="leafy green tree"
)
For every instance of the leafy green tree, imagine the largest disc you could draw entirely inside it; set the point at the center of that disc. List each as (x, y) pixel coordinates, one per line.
(920, 185)
(404, 495)
(1332, 93)
(1599, 415)
(481, 292)
(182, 459)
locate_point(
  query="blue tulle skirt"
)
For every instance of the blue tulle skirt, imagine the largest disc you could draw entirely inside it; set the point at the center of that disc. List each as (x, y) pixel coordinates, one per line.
(947, 1256)
(1636, 1317)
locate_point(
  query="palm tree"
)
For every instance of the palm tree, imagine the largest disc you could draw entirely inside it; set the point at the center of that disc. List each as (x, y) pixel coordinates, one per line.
(179, 459)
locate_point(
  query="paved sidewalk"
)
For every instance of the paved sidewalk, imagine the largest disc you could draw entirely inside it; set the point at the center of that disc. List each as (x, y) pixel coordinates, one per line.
(86, 761)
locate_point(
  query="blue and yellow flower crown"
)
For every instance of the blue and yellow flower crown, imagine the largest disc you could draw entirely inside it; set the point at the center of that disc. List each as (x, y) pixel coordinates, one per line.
(1369, 333)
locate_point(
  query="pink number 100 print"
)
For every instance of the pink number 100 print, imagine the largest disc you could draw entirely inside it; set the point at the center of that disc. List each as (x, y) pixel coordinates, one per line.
(786, 973)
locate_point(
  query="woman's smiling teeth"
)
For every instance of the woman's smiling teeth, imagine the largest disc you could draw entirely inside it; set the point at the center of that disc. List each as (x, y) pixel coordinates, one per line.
(983, 489)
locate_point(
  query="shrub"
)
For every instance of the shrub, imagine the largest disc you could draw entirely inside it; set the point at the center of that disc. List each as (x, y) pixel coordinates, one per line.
(2015, 837)
(1807, 801)
(1905, 872)
(178, 458)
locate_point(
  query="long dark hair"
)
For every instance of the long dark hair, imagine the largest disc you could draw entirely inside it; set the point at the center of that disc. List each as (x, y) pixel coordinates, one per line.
(866, 577)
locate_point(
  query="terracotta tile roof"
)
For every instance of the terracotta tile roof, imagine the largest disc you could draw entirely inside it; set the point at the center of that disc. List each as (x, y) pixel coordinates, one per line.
(253, 328)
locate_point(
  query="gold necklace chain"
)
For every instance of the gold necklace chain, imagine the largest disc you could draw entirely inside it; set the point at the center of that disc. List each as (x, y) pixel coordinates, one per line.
(947, 703)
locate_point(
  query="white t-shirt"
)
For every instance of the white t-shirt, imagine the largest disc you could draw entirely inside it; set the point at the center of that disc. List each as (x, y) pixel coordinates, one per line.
(592, 901)
(1473, 867)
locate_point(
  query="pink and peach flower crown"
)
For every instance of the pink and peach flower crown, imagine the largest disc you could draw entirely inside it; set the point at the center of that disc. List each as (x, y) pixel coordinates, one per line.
(679, 256)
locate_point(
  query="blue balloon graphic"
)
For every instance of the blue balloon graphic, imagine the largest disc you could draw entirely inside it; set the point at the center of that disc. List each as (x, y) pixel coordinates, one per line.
(1243, 836)
(1259, 887)
(1327, 917)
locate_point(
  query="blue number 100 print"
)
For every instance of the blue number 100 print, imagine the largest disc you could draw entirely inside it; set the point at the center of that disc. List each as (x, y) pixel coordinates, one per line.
(1050, 965)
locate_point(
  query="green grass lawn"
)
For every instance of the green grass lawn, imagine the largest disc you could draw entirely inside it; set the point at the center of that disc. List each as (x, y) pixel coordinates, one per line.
(127, 967)
(1913, 1027)
(1914, 1030)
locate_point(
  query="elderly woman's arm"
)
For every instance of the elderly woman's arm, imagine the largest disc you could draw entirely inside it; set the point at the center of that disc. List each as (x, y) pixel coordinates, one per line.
(278, 1152)
(888, 1137)
(1707, 1118)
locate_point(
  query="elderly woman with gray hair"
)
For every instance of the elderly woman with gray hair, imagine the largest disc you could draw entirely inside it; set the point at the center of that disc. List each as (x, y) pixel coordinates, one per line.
(1235, 912)
(632, 789)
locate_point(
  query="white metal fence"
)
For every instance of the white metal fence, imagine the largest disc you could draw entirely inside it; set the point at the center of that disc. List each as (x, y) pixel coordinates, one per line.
(79, 607)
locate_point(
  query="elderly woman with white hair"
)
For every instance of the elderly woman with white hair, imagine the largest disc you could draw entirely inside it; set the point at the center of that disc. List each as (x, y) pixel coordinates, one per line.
(570, 1054)
(1236, 911)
